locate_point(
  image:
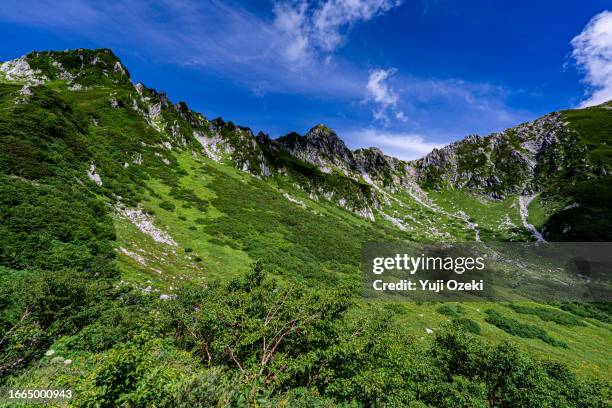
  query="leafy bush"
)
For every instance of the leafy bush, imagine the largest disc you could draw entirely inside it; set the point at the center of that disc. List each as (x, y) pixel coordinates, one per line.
(142, 373)
(468, 325)
(597, 310)
(450, 309)
(214, 387)
(167, 205)
(39, 307)
(517, 328)
(254, 325)
(548, 314)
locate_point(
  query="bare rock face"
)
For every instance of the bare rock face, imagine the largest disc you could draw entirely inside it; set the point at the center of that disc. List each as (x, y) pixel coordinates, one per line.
(20, 70)
(514, 161)
(79, 68)
(371, 161)
(321, 147)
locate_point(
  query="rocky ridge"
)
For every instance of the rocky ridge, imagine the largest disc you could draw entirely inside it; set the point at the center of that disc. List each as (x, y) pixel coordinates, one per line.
(498, 164)
(523, 160)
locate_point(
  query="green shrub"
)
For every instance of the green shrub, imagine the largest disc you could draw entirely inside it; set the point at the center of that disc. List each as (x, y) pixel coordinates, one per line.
(548, 314)
(468, 325)
(167, 205)
(601, 311)
(517, 328)
(39, 307)
(189, 198)
(215, 387)
(450, 309)
(143, 373)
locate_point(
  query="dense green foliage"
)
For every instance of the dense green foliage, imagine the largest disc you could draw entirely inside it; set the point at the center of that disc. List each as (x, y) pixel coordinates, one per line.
(87, 67)
(587, 181)
(597, 310)
(450, 309)
(517, 328)
(548, 314)
(253, 341)
(467, 324)
(80, 285)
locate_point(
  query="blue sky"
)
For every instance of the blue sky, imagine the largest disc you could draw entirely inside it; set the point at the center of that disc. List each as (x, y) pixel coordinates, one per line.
(403, 75)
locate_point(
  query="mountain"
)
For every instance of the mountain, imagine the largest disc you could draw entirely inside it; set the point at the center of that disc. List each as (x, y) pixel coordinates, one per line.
(113, 199)
(555, 157)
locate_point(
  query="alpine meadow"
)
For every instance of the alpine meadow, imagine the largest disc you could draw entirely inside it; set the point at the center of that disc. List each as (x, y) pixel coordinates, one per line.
(153, 257)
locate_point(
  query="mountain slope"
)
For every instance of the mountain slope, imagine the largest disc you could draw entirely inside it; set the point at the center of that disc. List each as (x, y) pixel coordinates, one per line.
(104, 178)
(538, 157)
(172, 178)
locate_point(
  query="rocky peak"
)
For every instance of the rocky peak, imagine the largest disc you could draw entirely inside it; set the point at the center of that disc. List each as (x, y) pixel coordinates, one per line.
(320, 146)
(193, 118)
(498, 164)
(370, 160)
(263, 138)
(217, 123)
(79, 68)
(325, 139)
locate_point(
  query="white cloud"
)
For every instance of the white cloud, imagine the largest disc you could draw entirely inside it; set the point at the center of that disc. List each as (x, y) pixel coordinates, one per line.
(378, 89)
(406, 146)
(383, 95)
(238, 42)
(310, 27)
(333, 15)
(226, 38)
(290, 22)
(593, 52)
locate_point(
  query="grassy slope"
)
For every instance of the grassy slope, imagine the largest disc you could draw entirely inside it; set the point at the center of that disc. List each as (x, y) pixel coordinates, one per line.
(248, 219)
(488, 214)
(585, 352)
(261, 229)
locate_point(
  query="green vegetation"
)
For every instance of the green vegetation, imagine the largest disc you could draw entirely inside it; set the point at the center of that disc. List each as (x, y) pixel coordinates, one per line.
(517, 328)
(469, 325)
(81, 66)
(594, 127)
(541, 208)
(450, 309)
(497, 220)
(221, 288)
(600, 311)
(585, 180)
(253, 341)
(168, 206)
(548, 314)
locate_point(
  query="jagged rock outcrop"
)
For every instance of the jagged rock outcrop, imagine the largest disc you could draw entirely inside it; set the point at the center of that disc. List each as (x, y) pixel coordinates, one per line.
(517, 160)
(373, 162)
(321, 147)
(79, 68)
(522, 160)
